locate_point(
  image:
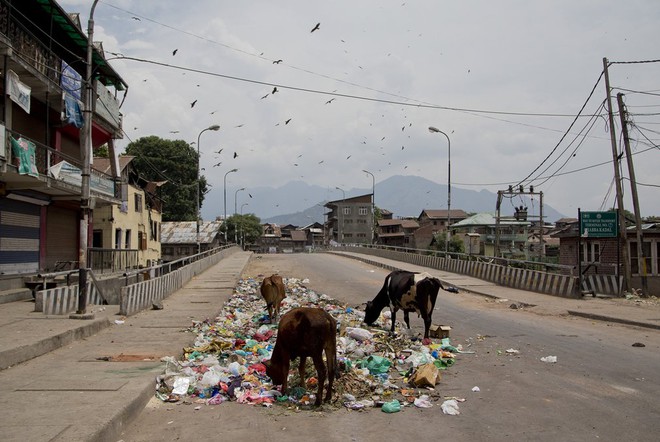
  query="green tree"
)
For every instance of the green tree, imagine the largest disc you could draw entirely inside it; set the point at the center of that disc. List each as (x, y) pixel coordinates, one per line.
(176, 162)
(246, 226)
(455, 243)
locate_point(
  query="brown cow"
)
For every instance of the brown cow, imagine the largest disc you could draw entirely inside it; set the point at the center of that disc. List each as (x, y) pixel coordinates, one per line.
(272, 289)
(302, 332)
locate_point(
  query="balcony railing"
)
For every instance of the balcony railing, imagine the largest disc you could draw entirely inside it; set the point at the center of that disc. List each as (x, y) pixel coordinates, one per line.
(112, 260)
(61, 168)
(29, 48)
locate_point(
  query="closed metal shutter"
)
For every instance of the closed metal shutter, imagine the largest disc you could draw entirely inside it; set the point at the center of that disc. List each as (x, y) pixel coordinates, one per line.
(61, 236)
(19, 236)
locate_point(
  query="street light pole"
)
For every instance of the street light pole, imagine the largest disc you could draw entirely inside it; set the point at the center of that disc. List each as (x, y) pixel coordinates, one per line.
(236, 212)
(224, 221)
(373, 203)
(434, 130)
(242, 232)
(215, 127)
(341, 227)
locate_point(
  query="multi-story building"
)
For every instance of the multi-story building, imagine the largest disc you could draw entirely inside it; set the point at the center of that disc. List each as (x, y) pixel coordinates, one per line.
(431, 222)
(350, 220)
(397, 232)
(127, 235)
(43, 52)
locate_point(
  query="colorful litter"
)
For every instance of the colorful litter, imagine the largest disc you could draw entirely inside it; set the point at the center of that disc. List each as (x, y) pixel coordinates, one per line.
(377, 370)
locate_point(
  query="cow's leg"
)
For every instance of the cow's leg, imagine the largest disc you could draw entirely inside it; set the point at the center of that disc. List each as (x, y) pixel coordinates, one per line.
(321, 374)
(427, 325)
(270, 312)
(331, 360)
(301, 370)
(285, 367)
(393, 320)
(406, 318)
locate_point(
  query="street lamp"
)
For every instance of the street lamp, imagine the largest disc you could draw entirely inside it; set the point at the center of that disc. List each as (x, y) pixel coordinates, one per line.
(341, 227)
(434, 130)
(224, 221)
(236, 212)
(242, 233)
(373, 203)
(215, 127)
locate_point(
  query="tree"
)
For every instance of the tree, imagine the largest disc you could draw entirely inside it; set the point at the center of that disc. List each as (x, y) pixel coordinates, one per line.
(244, 226)
(440, 243)
(176, 162)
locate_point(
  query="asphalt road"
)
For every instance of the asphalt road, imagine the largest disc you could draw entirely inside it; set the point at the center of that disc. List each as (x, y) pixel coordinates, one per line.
(601, 387)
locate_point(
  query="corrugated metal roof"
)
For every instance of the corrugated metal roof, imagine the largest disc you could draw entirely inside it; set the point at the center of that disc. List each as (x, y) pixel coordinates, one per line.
(185, 232)
(487, 219)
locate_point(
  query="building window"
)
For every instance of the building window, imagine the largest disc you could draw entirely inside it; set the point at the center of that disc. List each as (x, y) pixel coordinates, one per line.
(361, 235)
(142, 240)
(97, 239)
(117, 238)
(634, 259)
(347, 210)
(127, 242)
(364, 211)
(138, 203)
(590, 252)
(348, 235)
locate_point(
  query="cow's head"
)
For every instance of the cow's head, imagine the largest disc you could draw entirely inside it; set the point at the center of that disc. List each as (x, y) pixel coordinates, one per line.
(371, 313)
(274, 373)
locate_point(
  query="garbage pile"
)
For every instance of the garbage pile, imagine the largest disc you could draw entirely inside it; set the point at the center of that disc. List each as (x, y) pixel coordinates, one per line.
(376, 369)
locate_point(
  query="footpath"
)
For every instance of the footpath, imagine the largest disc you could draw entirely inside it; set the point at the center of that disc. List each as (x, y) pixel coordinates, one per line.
(63, 379)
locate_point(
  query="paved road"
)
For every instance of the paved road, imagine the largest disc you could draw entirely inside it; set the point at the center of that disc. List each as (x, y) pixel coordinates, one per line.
(601, 388)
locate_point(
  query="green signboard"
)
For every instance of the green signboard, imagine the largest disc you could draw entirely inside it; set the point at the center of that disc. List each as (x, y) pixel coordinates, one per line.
(598, 224)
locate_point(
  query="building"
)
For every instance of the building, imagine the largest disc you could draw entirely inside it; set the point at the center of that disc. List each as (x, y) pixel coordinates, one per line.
(397, 232)
(431, 222)
(350, 220)
(41, 183)
(513, 236)
(127, 234)
(179, 239)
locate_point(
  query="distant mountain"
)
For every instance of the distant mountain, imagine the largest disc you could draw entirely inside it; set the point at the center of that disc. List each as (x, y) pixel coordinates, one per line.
(299, 203)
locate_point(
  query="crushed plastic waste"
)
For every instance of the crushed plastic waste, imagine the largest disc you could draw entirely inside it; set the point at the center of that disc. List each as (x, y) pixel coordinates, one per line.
(549, 359)
(225, 361)
(450, 406)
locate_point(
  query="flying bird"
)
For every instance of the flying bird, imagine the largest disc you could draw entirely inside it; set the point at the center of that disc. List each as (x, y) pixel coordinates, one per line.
(348, 157)
(287, 121)
(319, 161)
(220, 151)
(300, 155)
(136, 18)
(174, 131)
(216, 165)
(277, 62)
(316, 28)
(250, 195)
(330, 101)
(402, 147)
(193, 104)
(235, 154)
(240, 125)
(265, 96)
(274, 90)
(174, 52)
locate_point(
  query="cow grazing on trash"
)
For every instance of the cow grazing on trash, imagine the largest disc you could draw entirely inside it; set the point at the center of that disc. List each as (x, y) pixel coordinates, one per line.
(407, 291)
(272, 289)
(302, 332)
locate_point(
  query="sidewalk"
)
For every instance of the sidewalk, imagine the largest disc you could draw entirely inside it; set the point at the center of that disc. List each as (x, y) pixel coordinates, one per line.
(108, 373)
(104, 371)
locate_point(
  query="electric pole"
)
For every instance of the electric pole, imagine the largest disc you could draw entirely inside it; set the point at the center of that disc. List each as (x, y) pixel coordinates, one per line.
(623, 239)
(641, 259)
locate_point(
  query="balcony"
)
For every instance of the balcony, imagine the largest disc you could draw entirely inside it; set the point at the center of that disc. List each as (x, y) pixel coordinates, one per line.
(41, 69)
(53, 173)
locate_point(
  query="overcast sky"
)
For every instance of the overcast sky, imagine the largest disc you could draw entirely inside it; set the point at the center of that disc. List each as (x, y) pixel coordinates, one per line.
(503, 79)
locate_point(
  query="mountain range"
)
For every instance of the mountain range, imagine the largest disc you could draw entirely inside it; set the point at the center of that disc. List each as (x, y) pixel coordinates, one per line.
(299, 203)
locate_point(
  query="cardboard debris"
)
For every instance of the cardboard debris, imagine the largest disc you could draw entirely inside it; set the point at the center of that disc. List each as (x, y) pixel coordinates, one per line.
(439, 331)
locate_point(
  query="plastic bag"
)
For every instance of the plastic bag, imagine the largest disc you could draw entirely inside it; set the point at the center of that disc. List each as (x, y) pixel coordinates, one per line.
(359, 334)
(377, 364)
(450, 407)
(392, 407)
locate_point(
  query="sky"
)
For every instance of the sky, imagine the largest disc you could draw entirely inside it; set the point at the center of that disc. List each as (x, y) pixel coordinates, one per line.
(504, 80)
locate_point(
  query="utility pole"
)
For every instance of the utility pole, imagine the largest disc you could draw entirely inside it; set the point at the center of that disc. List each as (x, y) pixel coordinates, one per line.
(641, 259)
(617, 177)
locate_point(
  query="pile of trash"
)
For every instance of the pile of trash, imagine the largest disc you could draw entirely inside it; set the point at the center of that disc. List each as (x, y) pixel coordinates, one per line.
(376, 369)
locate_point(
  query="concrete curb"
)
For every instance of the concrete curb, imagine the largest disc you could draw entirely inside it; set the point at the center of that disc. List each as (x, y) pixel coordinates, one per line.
(112, 429)
(598, 317)
(15, 356)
